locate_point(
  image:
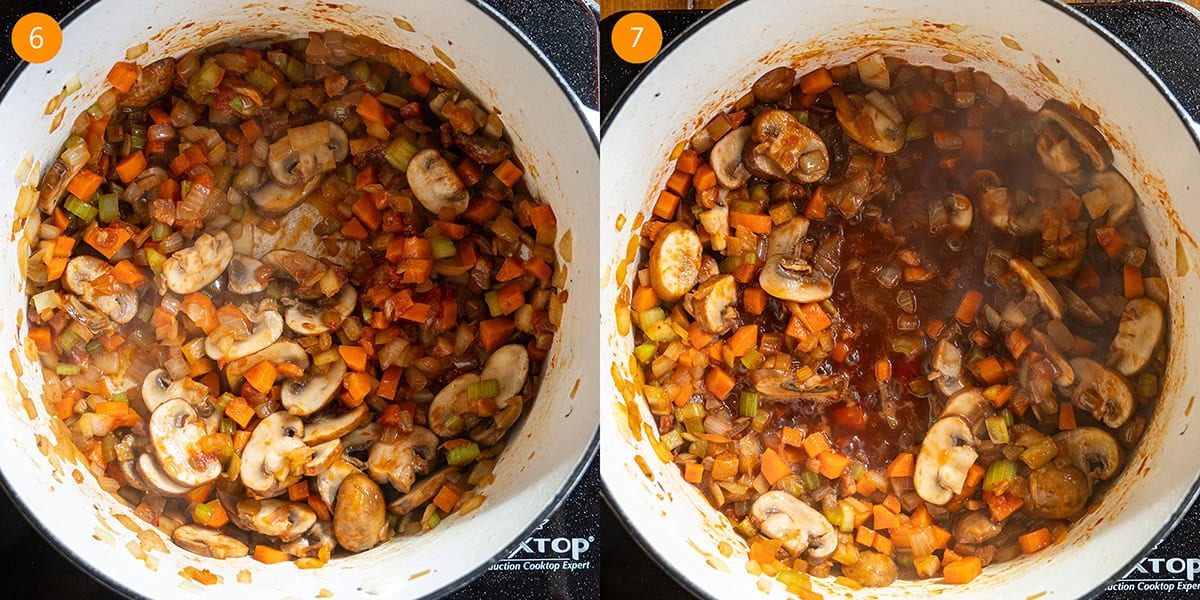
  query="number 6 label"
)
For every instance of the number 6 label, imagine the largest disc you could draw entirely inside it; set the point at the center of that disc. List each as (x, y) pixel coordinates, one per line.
(36, 38)
(637, 38)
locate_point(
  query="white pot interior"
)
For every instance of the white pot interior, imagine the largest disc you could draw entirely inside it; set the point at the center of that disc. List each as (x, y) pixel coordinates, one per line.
(546, 449)
(715, 65)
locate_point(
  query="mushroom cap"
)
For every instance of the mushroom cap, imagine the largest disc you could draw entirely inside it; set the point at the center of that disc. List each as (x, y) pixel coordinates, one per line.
(675, 261)
(243, 273)
(781, 385)
(774, 85)
(305, 318)
(946, 455)
(509, 365)
(1036, 282)
(120, 305)
(268, 326)
(273, 197)
(329, 480)
(198, 265)
(275, 456)
(1086, 137)
(283, 351)
(152, 474)
(976, 527)
(332, 426)
(725, 158)
(315, 542)
(1102, 392)
(712, 304)
(959, 211)
(1139, 334)
(399, 461)
(277, 518)
(175, 431)
(1066, 375)
(969, 404)
(873, 120)
(793, 280)
(796, 150)
(423, 491)
(782, 516)
(1111, 196)
(324, 455)
(153, 80)
(445, 406)
(1057, 492)
(787, 237)
(435, 184)
(1092, 449)
(307, 395)
(359, 514)
(306, 152)
(206, 541)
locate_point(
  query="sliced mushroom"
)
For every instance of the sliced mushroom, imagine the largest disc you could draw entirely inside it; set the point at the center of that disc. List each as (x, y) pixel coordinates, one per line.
(976, 527)
(726, 158)
(118, 301)
(277, 518)
(306, 152)
(675, 261)
(1066, 375)
(959, 212)
(94, 320)
(1078, 308)
(712, 304)
(1111, 197)
(324, 455)
(1058, 157)
(244, 275)
(946, 455)
(329, 480)
(483, 149)
(359, 515)
(1138, 336)
(156, 479)
(946, 361)
(423, 491)
(872, 569)
(508, 365)
(283, 351)
(782, 516)
(274, 197)
(1101, 392)
(1057, 492)
(330, 426)
(490, 434)
(133, 479)
(796, 150)
(209, 542)
(971, 406)
(716, 222)
(399, 462)
(307, 395)
(995, 202)
(774, 85)
(444, 417)
(1092, 449)
(435, 184)
(363, 437)
(873, 121)
(304, 269)
(794, 280)
(152, 82)
(54, 182)
(192, 268)
(1036, 282)
(787, 238)
(305, 318)
(1089, 141)
(175, 432)
(268, 326)
(317, 542)
(275, 456)
(782, 385)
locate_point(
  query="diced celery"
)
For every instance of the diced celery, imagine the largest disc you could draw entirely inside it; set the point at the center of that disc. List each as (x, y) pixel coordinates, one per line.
(360, 70)
(463, 454)
(748, 404)
(493, 303)
(399, 152)
(108, 209)
(650, 316)
(1040, 454)
(120, 397)
(443, 247)
(86, 212)
(753, 359)
(108, 447)
(66, 369)
(155, 260)
(261, 80)
(810, 479)
(645, 352)
(997, 430)
(672, 439)
(202, 513)
(999, 475)
(486, 388)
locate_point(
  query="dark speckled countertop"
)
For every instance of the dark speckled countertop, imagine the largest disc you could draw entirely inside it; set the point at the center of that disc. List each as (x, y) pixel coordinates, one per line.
(565, 32)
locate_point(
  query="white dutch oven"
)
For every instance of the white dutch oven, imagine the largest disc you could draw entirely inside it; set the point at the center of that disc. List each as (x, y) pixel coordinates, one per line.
(547, 452)
(715, 63)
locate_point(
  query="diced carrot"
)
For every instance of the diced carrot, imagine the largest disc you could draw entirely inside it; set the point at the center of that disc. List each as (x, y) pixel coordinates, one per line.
(370, 109)
(106, 240)
(508, 173)
(55, 267)
(883, 370)
(482, 210)
(199, 308)
(689, 162)
(122, 75)
(743, 340)
(815, 318)
(239, 410)
(355, 357)
(920, 517)
(415, 270)
(262, 376)
(364, 208)
(755, 223)
(1035, 540)
(511, 269)
(1001, 506)
(816, 81)
(902, 466)
(128, 273)
(990, 370)
(865, 536)
(693, 473)
(1134, 287)
(963, 570)
(319, 507)
(269, 555)
(745, 272)
(85, 184)
(797, 329)
(63, 245)
(884, 518)
(1110, 240)
(816, 207)
(754, 300)
(705, 178)
(1017, 342)
(833, 464)
(131, 166)
(718, 382)
(697, 337)
(679, 182)
(774, 467)
(969, 307)
(537, 267)
(217, 517)
(974, 475)
(883, 544)
(510, 298)
(195, 155)
(683, 394)
(1066, 416)
(644, 298)
(446, 498)
(664, 207)
(1087, 281)
(421, 83)
(298, 491)
(816, 444)
(200, 494)
(359, 385)
(41, 337)
(790, 436)
(354, 230)
(493, 333)
(950, 556)
(542, 217)
(389, 382)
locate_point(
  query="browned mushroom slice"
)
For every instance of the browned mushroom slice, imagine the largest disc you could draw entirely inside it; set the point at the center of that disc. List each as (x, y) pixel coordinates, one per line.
(794, 280)
(782, 385)
(1089, 140)
(712, 304)
(675, 261)
(117, 301)
(198, 265)
(946, 455)
(1035, 281)
(423, 491)
(774, 85)
(491, 433)
(782, 516)
(329, 480)
(976, 527)
(332, 426)
(1138, 336)
(283, 519)
(318, 541)
(796, 150)
(1057, 492)
(152, 82)
(872, 120)
(726, 158)
(1091, 449)
(1101, 392)
(399, 462)
(435, 184)
(206, 541)
(155, 478)
(306, 152)
(274, 457)
(1111, 197)
(175, 431)
(1078, 308)
(1066, 375)
(307, 395)
(54, 183)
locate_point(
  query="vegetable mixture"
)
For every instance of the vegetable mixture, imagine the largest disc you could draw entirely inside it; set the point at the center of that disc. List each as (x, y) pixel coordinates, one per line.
(291, 298)
(893, 323)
